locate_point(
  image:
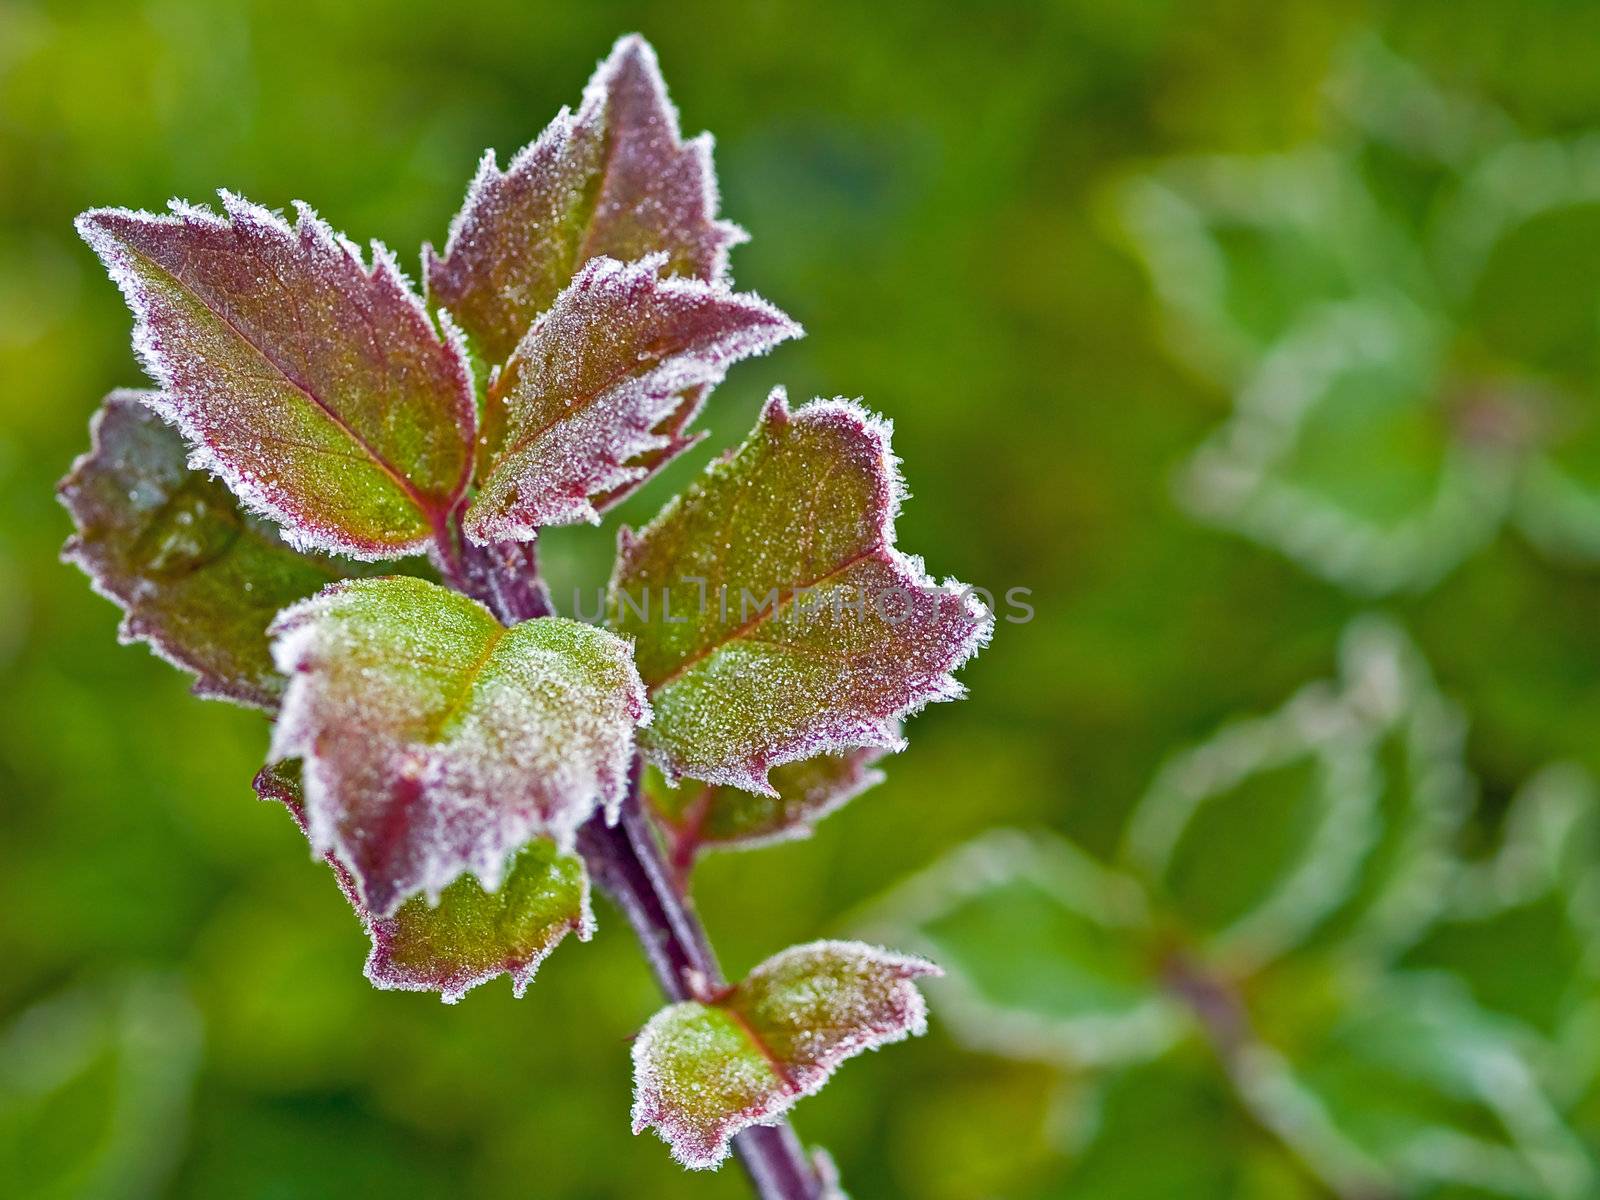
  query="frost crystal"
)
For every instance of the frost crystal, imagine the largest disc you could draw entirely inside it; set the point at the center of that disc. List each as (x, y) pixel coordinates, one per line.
(315, 386)
(704, 1070)
(697, 817)
(197, 577)
(806, 630)
(436, 741)
(614, 179)
(471, 935)
(591, 382)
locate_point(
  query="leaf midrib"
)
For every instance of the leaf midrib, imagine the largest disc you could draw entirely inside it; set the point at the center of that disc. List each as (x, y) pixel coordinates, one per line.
(878, 551)
(411, 492)
(779, 1068)
(469, 681)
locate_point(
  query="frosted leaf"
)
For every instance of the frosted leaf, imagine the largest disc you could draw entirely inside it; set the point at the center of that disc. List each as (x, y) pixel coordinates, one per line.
(314, 385)
(1417, 749)
(1525, 212)
(613, 179)
(437, 741)
(592, 381)
(774, 619)
(697, 817)
(197, 578)
(1240, 249)
(471, 935)
(1333, 288)
(1049, 955)
(704, 1070)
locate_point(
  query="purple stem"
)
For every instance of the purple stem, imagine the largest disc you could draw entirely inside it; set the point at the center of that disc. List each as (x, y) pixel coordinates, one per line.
(626, 862)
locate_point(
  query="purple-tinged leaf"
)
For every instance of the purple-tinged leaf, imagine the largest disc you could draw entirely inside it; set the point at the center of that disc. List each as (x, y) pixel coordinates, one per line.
(197, 578)
(696, 817)
(675, 440)
(614, 179)
(773, 618)
(471, 936)
(437, 741)
(315, 386)
(588, 387)
(704, 1070)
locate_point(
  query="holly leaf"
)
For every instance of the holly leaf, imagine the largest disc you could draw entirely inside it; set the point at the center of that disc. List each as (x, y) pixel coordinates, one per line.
(787, 624)
(614, 179)
(588, 387)
(1049, 955)
(700, 817)
(197, 577)
(437, 741)
(314, 385)
(705, 1069)
(471, 935)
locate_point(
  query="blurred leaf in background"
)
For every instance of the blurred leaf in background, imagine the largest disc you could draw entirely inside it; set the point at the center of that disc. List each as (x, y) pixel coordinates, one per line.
(1379, 298)
(925, 187)
(1296, 920)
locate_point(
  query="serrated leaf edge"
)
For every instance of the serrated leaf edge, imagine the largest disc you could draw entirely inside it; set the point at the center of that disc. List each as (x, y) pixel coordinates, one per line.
(881, 730)
(384, 268)
(794, 1086)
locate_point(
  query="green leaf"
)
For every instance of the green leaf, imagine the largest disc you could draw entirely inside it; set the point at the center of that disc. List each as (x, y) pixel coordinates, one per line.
(705, 1069)
(1254, 837)
(470, 935)
(316, 386)
(1170, 1129)
(197, 577)
(437, 741)
(774, 620)
(1049, 955)
(1241, 250)
(700, 817)
(1412, 1076)
(1523, 929)
(1425, 793)
(1526, 215)
(1352, 451)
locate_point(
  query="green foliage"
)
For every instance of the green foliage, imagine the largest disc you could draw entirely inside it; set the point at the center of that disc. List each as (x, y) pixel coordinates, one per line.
(1297, 913)
(933, 216)
(200, 578)
(800, 628)
(1378, 301)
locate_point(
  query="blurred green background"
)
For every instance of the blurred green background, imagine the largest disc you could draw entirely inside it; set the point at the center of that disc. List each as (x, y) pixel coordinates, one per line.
(939, 193)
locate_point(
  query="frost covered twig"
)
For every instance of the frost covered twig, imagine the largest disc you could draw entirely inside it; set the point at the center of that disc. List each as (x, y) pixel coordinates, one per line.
(465, 760)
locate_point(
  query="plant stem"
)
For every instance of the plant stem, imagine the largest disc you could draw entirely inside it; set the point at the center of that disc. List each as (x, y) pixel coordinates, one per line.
(626, 862)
